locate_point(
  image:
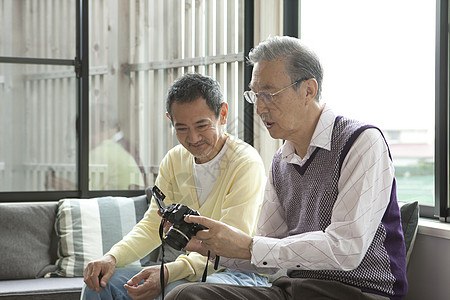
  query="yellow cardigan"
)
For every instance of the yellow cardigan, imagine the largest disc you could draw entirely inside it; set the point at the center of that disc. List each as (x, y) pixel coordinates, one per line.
(235, 200)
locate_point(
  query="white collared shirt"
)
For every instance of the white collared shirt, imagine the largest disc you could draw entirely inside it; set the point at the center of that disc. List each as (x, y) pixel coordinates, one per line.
(321, 138)
(364, 193)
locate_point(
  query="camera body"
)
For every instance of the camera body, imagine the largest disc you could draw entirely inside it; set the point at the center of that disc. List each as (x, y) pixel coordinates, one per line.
(180, 233)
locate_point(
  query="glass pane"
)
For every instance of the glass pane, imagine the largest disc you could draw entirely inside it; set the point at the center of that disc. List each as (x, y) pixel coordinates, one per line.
(132, 67)
(40, 29)
(114, 162)
(37, 132)
(379, 61)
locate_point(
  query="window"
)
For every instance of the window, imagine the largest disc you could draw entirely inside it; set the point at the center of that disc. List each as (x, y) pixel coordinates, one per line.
(384, 50)
(37, 92)
(380, 68)
(135, 50)
(386, 63)
(134, 65)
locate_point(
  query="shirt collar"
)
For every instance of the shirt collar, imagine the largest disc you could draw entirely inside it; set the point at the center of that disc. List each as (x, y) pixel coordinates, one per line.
(321, 138)
(324, 129)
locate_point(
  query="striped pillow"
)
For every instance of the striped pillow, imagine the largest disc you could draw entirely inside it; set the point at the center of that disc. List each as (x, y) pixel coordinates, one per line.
(88, 228)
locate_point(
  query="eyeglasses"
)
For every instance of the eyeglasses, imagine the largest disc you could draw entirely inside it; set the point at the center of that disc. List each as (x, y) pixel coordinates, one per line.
(252, 97)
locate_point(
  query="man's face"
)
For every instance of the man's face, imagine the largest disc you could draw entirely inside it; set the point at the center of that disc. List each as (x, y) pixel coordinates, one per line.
(198, 129)
(282, 117)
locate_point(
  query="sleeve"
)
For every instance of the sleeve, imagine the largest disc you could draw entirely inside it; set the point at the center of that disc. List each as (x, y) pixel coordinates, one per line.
(144, 237)
(271, 223)
(364, 193)
(244, 189)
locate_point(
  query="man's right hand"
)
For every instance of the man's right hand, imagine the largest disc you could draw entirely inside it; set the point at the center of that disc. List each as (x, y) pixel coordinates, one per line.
(98, 272)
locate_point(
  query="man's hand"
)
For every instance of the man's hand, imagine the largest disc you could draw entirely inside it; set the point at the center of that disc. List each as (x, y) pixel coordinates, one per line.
(221, 239)
(195, 245)
(98, 272)
(150, 288)
(167, 224)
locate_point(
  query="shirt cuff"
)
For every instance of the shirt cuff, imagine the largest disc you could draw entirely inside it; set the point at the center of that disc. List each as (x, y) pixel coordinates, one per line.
(265, 252)
(177, 270)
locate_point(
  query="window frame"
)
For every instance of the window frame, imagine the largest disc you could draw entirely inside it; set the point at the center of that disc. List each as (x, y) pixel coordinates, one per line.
(81, 68)
(80, 63)
(441, 208)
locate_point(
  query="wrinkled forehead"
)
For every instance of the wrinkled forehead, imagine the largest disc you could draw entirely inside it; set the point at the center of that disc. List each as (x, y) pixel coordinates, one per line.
(268, 75)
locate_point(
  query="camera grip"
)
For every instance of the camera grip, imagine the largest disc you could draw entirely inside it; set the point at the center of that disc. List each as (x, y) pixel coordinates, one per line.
(197, 228)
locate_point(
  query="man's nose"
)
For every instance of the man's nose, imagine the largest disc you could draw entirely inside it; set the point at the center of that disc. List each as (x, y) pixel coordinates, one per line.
(193, 136)
(261, 107)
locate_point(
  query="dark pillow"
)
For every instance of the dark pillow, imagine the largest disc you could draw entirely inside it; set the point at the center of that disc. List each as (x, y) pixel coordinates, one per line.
(140, 206)
(410, 221)
(25, 235)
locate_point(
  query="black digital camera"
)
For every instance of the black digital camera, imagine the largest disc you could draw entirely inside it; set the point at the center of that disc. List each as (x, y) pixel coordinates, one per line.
(180, 233)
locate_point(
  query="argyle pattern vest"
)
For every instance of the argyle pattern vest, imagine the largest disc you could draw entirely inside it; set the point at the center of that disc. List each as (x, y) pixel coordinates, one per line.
(308, 194)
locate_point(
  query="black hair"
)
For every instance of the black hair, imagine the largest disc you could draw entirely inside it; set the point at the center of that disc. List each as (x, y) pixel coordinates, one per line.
(192, 86)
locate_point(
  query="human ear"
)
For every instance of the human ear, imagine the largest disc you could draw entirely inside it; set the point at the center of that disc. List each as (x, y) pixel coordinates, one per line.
(168, 116)
(223, 114)
(312, 87)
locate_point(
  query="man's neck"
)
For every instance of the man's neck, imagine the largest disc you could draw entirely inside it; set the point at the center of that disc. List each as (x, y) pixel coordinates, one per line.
(303, 140)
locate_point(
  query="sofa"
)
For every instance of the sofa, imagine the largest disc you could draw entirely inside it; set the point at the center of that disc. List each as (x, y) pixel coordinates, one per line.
(44, 245)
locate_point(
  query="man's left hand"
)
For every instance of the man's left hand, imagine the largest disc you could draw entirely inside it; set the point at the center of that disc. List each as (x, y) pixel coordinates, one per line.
(151, 286)
(221, 239)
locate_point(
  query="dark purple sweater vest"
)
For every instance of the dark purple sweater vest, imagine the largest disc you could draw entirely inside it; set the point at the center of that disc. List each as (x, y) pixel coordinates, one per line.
(308, 194)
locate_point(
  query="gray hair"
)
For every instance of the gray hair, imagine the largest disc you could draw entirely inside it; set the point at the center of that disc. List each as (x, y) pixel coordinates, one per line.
(300, 62)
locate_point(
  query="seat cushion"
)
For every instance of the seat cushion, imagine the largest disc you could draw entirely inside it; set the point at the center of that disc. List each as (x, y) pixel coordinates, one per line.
(42, 288)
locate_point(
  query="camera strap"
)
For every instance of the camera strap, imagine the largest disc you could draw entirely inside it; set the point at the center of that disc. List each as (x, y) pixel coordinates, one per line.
(216, 265)
(161, 271)
(205, 272)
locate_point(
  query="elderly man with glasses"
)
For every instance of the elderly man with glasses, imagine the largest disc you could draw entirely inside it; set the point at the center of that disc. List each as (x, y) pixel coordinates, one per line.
(330, 214)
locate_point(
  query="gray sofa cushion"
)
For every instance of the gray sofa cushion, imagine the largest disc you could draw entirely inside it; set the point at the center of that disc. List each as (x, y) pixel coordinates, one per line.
(410, 221)
(26, 239)
(141, 206)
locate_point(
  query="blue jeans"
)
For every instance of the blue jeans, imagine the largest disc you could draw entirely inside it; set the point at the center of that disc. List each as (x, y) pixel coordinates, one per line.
(115, 290)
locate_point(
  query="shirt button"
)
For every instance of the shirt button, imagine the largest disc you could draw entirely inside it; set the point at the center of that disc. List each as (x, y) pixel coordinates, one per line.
(264, 262)
(298, 266)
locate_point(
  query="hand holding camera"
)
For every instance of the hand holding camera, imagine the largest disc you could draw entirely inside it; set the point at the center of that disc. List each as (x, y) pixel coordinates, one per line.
(180, 233)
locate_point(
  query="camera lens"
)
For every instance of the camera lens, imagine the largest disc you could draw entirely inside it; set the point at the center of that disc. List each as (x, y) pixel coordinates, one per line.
(176, 238)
